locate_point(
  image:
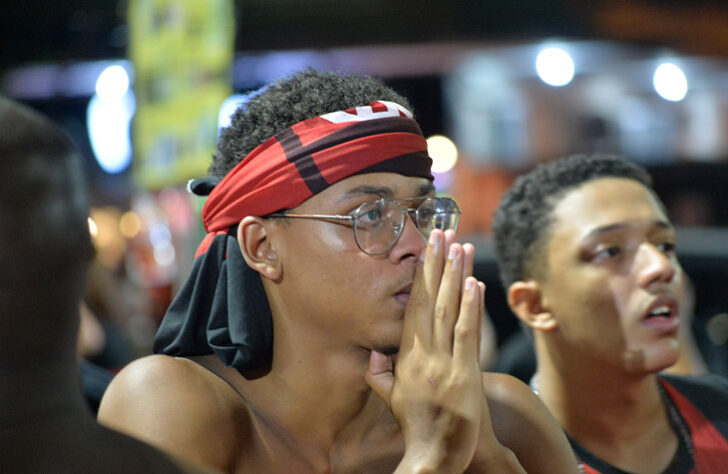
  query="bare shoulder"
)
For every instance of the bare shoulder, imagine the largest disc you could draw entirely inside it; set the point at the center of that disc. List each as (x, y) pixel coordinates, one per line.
(161, 378)
(506, 389)
(177, 406)
(523, 424)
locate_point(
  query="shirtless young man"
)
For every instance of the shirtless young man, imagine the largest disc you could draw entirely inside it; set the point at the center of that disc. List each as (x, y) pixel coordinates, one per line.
(587, 255)
(319, 330)
(45, 248)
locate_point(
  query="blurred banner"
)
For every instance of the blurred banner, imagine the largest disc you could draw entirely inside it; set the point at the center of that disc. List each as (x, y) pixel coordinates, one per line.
(182, 52)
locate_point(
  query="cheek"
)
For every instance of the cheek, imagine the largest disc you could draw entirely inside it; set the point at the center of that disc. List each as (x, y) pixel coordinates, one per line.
(621, 293)
(331, 259)
(337, 238)
(587, 305)
(319, 244)
(681, 292)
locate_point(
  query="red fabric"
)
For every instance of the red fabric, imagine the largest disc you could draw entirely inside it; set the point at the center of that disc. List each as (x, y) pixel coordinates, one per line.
(587, 469)
(206, 241)
(711, 448)
(297, 163)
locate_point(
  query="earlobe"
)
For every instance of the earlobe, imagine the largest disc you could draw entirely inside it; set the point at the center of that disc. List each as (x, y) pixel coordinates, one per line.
(257, 247)
(525, 300)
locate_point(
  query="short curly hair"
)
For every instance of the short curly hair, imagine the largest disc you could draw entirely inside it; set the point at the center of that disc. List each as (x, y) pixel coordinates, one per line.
(521, 225)
(305, 95)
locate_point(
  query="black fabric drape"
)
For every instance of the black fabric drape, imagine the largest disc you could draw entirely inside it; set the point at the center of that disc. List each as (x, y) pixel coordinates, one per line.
(221, 309)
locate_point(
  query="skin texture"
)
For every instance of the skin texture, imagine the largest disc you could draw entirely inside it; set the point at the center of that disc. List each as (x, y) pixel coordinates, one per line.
(615, 273)
(452, 380)
(375, 362)
(609, 260)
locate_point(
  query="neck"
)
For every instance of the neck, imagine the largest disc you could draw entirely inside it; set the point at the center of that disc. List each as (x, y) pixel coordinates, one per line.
(593, 401)
(326, 398)
(617, 415)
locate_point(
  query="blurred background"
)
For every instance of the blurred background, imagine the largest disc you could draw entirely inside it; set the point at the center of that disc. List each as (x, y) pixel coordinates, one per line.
(142, 86)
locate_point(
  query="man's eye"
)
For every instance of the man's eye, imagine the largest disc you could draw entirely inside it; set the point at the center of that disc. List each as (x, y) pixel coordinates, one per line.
(608, 252)
(426, 214)
(666, 247)
(371, 216)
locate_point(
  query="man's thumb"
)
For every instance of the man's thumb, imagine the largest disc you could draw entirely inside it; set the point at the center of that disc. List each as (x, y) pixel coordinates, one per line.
(380, 376)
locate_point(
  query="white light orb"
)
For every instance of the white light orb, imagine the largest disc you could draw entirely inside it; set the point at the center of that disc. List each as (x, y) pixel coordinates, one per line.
(443, 152)
(108, 122)
(112, 83)
(555, 67)
(228, 107)
(670, 82)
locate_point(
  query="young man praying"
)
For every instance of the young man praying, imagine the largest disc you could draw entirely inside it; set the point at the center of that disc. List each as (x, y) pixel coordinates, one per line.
(330, 322)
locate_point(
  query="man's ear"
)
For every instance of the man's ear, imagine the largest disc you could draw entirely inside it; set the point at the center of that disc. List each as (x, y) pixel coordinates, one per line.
(526, 301)
(257, 247)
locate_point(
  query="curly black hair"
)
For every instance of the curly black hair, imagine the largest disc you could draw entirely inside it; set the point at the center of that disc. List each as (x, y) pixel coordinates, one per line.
(522, 221)
(307, 94)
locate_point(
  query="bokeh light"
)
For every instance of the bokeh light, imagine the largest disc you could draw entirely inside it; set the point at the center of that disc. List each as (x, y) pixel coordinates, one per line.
(93, 229)
(112, 83)
(130, 225)
(228, 107)
(109, 116)
(443, 152)
(554, 66)
(670, 82)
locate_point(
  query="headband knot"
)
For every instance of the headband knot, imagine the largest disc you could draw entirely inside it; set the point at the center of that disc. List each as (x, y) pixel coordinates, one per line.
(202, 186)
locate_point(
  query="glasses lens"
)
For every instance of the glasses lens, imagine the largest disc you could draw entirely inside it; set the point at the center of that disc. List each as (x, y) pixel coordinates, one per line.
(437, 213)
(377, 225)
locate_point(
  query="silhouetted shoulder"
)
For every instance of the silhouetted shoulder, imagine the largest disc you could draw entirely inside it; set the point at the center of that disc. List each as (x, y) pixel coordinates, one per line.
(178, 406)
(113, 452)
(70, 441)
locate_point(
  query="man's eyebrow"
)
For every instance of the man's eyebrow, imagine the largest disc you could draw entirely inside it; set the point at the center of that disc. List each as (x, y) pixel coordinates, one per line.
(380, 191)
(594, 233)
(426, 189)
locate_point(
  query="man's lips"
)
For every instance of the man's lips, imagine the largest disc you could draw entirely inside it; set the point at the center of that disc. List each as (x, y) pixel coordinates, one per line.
(402, 296)
(662, 314)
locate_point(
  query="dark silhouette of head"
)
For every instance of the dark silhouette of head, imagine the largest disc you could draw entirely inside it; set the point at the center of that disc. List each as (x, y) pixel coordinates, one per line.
(45, 244)
(45, 248)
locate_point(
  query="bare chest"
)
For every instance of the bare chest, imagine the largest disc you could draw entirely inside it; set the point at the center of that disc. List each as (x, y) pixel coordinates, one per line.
(378, 451)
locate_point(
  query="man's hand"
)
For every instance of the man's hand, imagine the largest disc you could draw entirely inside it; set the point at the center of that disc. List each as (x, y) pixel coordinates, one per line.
(435, 391)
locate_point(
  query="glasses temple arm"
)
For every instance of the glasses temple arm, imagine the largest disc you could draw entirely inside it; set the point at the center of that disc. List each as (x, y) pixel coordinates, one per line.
(313, 216)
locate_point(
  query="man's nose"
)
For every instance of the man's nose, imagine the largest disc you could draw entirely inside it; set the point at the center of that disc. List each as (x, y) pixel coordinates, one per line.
(655, 265)
(410, 243)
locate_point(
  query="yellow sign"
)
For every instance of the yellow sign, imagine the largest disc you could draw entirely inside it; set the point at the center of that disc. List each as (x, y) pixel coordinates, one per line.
(182, 52)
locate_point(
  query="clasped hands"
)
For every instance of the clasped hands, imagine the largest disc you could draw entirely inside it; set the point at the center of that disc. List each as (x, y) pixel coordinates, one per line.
(435, 389)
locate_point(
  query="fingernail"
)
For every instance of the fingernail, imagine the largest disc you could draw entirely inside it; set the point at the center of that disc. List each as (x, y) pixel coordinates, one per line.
(454, 251)
(435, 238)
(469, 283)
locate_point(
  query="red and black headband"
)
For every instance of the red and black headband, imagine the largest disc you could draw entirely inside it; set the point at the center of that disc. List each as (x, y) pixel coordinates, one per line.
(222, 308)
(306, 158)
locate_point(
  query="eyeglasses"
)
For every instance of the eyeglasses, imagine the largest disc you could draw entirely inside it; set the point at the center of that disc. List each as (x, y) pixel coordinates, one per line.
(379, 224)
